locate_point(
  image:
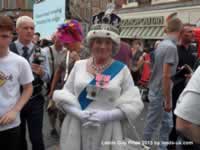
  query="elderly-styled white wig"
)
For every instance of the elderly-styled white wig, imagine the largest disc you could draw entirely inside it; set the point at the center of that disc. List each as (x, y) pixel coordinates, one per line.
(23, 19)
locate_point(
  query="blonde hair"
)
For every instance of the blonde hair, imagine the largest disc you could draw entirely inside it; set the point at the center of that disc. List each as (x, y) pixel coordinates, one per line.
(23, 19)
(174, 25)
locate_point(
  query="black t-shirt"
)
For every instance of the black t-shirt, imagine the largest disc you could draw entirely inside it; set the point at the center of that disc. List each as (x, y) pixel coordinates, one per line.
(186, 56)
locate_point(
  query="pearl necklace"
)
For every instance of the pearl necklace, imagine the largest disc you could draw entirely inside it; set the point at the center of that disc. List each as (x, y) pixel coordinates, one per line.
(99, 69)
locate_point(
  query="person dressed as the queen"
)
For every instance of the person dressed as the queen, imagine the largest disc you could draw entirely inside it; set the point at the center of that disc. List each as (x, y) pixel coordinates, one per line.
(99, 97)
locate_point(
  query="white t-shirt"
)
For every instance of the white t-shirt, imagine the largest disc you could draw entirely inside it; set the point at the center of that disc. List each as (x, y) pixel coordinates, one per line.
(14, 71)
(188, 105)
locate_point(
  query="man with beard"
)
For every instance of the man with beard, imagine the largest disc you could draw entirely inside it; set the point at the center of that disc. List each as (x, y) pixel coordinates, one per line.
(186, 57)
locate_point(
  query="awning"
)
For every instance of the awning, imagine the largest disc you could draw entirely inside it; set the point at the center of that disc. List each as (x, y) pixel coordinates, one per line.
(146, 32)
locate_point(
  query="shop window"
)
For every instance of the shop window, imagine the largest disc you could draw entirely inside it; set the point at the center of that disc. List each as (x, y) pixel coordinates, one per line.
(1, 4)
(5, 5)
(12, 4)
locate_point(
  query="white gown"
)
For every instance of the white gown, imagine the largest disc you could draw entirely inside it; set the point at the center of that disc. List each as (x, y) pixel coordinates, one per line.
(121, 93)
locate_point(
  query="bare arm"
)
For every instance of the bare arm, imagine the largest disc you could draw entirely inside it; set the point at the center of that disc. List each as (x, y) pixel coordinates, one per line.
(166, 87)
(140, 62)
(56, 77)
(189, 130)
(10, 116)
(129, 63)
(26, 94)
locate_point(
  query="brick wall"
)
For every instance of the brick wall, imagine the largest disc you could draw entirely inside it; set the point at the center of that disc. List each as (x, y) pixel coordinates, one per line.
(82, 8)
(18, 11)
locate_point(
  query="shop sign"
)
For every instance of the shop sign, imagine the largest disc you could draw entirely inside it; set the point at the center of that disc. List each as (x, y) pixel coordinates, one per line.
(150, 21)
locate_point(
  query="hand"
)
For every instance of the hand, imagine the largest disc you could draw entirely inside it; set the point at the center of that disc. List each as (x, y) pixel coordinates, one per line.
(50, 94)
(188, 76)
(167, 106)
(37, 69)
(51, 106)
(84, 115)
(90, 124)
(9, 117)
(100, 116)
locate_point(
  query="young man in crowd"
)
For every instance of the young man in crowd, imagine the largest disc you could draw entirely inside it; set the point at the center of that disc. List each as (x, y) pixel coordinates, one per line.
(15, 71)
(56, 54)
(160, 85)
(32, 113)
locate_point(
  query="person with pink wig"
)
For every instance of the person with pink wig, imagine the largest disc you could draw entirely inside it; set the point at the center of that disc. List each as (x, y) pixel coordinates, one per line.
(71, 36)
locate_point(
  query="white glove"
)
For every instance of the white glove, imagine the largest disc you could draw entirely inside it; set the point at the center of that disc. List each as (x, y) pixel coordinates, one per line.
(91, 124)
(80, 114)
(104, 116)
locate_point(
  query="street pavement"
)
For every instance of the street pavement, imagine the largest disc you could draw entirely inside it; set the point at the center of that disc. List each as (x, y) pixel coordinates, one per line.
(52, 143)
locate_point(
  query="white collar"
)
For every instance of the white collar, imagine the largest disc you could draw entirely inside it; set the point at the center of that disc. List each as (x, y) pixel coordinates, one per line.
(20, 45)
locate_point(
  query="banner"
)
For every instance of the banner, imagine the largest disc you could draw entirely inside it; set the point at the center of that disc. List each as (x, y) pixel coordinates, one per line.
(48, 15)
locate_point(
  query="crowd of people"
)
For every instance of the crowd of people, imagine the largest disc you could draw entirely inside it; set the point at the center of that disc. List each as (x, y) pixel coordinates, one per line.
(93, 86)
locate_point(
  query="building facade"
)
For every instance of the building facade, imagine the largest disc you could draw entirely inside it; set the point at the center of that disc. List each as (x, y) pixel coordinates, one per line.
(147, 22)
(15, 8)
(84, 9)
(141, 19)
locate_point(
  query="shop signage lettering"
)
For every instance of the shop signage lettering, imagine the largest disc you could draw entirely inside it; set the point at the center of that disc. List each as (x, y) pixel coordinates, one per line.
(144, 21)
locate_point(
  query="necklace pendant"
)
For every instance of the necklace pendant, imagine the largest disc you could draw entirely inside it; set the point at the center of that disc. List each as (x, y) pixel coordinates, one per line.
(99, 68)
(93, 94)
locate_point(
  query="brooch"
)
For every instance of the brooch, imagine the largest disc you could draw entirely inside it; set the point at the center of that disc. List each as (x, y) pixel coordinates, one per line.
(102, 80)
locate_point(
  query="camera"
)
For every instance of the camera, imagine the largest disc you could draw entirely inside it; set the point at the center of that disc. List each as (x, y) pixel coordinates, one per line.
(38, 58)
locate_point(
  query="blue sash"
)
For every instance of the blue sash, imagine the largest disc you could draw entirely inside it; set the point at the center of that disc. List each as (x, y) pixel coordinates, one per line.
(113, 70)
